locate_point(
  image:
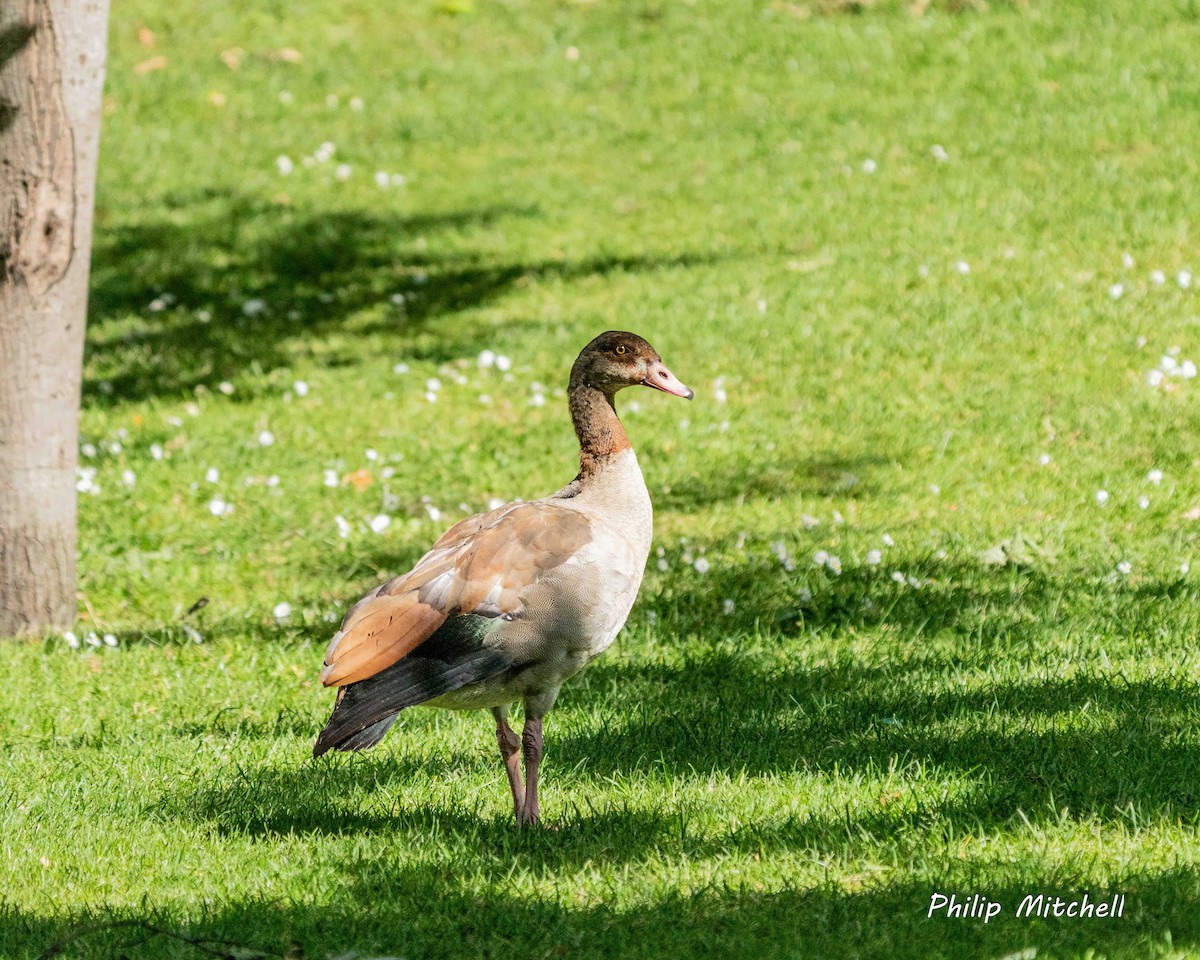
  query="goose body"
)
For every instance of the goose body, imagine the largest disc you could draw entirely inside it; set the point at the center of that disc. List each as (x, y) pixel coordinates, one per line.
(511, 603)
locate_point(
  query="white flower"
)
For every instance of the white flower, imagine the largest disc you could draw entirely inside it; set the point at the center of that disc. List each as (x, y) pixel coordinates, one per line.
(1143, 502)
(1187, 370)
(226, 388)
(128, 477)
(571, 53)
(331, 101)
(808, 522)
(503, 363)
(330, 478)
(1045, 459)
(1155, 477)
(820, 558)
(1154, 378)
(701, 565)
(1184, 567)
(833, 564)
(537, 400)
(324, 153)
(887, 540)
(869, 166)
(253, 307)
(219, 508)
(398, 180)
(434, 513)
(301, 388)
(109, 639)
(343, 526)
(85, 480)
(88, 450)
(266, 438)
(91, 639)
(1158, 278)
(495, 503)
(662, 565)
(71, 640)
(1102, 497)
(1124, 567)
(284, 164)
(1127, 261)
(963, 267)
(343, 171)
(212, 475)
(430, 396)
(897, 576)
(380, 522)
(1116, 291)
(728, 606)
(371, 454)
(874, 558)
(939, 153)
(1184, 279)
(804, 595)
(486, 358)
(282, 610)
(381, 178)
(156, 451)
(273, 480)
(433, 384)
(400, 368)
(285, 96)
(356, 104)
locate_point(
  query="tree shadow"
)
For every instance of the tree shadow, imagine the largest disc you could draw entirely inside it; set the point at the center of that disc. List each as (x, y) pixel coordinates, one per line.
(782, 476)
(220, 284)
(437, 910)
(1093, 744)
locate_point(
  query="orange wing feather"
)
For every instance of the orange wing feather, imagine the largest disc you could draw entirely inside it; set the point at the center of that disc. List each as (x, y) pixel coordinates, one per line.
(482, 564)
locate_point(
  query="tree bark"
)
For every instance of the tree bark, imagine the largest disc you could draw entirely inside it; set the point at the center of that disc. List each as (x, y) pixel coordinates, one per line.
(51, 82)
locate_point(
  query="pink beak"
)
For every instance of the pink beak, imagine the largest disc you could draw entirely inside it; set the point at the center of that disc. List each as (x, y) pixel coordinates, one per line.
(660, 378)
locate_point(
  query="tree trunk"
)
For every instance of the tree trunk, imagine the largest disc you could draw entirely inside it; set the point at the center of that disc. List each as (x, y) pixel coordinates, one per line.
(51, 79)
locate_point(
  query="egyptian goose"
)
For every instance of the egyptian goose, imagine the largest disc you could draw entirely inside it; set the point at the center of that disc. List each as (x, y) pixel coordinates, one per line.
(508, 604)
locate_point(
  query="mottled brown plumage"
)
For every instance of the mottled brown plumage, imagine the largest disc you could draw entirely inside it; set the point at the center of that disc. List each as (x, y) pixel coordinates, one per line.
(510, 603)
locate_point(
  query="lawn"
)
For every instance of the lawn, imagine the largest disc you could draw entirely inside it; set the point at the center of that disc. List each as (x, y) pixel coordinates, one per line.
(919, 617)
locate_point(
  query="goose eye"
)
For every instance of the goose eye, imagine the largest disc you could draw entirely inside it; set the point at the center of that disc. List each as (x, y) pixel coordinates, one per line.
(620, 351)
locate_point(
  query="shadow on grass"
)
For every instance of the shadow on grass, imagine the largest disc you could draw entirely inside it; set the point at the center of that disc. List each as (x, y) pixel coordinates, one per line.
(252, 285)
(441, 909)
(783, 476)
(1021, 742)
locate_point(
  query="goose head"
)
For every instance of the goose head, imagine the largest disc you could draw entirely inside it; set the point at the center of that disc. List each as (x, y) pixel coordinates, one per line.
(617, 359)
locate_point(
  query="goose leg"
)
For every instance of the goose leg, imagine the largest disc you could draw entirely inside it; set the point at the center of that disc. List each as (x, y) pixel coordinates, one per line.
(531, 744)
(510, 750)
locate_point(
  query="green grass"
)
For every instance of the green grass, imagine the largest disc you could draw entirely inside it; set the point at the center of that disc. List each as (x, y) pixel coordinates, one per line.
(793, 778)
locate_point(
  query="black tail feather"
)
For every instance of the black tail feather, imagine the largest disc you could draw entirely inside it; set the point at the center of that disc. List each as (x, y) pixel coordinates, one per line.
(365, 710)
